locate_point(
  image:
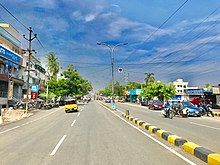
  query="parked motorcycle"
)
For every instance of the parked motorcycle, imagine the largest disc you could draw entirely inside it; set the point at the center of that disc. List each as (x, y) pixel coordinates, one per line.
(168, 112)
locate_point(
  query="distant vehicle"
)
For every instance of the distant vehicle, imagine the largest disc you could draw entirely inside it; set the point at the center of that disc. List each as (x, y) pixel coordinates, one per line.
(155, 104)
(144, 102)
(71, 105)
(198, 100)
(121, 100)
(108, 100)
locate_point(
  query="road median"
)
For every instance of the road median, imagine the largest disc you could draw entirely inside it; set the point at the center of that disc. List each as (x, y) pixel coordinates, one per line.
(198, 151)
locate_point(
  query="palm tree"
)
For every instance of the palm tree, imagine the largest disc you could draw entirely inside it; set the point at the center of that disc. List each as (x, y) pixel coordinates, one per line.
(52, 65)
(149, 78)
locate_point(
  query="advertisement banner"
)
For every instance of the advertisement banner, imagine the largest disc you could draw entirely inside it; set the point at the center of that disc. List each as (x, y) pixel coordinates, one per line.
(34, 95)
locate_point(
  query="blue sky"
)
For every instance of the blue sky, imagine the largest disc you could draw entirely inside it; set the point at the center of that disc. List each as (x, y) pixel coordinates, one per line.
(187, 46)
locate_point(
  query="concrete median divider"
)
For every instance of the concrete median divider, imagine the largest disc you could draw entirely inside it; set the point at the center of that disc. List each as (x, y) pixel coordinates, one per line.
(198, 151)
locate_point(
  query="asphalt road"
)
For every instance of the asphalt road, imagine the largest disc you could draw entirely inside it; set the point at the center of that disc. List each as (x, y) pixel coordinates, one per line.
(204, 131)
(92, 136)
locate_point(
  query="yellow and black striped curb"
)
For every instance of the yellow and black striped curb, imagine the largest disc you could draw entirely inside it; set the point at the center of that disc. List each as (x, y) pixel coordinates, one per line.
(202, 153)
(216, 114)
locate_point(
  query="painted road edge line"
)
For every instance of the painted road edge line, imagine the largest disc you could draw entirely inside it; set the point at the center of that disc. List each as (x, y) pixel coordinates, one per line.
(58, 145)
(152, 138)
(202, 153)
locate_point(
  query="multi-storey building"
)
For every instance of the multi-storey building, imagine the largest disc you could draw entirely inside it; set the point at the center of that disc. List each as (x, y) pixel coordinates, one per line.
(180, 86)
(37, 73)
(11, 65)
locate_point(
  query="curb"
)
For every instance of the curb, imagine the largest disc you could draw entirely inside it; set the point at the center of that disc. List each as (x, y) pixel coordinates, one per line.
(202, 153)
(216, 114)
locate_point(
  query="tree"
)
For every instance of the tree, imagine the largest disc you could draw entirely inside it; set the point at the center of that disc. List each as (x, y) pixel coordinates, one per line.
(71, 85)
(133, 85)
(118, 89)
(52, 65)
(149, 79)
(159, 90)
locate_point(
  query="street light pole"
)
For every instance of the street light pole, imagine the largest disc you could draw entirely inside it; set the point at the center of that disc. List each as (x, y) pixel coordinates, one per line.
(112, 48)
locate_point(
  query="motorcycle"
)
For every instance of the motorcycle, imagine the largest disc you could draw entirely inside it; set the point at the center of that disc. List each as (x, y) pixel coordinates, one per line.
(168, 112)
(183, 112)
(207, 110)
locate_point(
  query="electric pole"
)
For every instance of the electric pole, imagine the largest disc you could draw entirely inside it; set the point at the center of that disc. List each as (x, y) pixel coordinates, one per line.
(29, 39)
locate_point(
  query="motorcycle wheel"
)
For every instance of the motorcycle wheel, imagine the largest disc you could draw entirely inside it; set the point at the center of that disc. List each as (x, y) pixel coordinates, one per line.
(171, 114)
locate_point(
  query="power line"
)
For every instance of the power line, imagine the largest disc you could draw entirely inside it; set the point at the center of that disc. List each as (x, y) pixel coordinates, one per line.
(21, 24)
(195, 38)
(13, 16)
(159, 27)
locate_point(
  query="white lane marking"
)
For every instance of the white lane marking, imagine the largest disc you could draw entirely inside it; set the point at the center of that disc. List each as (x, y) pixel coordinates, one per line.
(10, 129)
(205, 126)
(58, 145)
(73, 123)
(78, 114)
(155, 140)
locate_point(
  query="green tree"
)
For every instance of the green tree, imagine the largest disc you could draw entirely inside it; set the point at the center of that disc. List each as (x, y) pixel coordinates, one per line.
(159, 90)
(52, 65)
(118, 89)
(149, 79)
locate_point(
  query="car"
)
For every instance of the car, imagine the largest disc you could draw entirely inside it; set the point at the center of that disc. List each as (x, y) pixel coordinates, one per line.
(121, 100)
(198, 100)
(193, 110)
(108, 100)
(155, 104)
(70, 105)
(144, 102)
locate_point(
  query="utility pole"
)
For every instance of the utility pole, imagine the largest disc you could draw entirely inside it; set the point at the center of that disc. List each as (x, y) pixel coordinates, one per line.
(29, 39)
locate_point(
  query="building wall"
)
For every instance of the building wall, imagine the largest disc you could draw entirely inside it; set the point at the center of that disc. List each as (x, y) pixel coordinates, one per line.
(11, 62)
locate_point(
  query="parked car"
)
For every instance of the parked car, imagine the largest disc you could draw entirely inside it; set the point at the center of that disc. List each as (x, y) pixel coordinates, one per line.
(144, 102)
(198, 100)
(121, 100)
(155, 104)
(108, 100)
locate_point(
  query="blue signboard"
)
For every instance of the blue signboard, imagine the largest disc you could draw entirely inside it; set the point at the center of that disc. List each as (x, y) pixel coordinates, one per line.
(9, 55)
(177, 97)
(194, 92)
(132, 92)
(34, 88)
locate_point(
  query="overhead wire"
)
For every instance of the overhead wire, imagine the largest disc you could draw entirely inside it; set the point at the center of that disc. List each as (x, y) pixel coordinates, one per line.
(158, 28)
(198, 36)
(21, 24)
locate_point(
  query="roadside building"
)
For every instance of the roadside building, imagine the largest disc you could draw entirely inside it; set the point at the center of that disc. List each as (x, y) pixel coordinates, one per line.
(194, 92)
(11, 65)
(37, 74)
(180, 86)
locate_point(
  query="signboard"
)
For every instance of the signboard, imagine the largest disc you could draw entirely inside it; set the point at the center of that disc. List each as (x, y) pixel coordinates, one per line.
(34, 95)
(216, 90)
(120, 70)
(194, 92)
(10, 55)
(34, 88)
